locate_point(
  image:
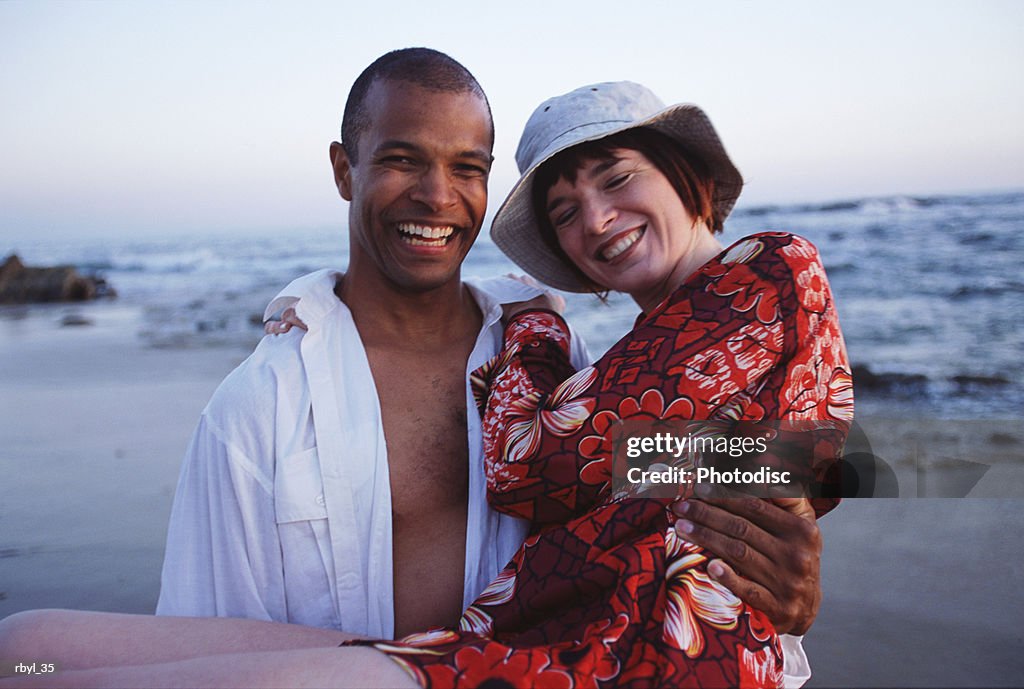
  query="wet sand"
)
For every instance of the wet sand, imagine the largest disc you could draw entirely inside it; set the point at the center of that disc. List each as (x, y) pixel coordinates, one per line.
(918, 592)
(94, 426)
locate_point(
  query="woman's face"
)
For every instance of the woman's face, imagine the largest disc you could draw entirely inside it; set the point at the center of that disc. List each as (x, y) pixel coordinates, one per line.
(623, 224)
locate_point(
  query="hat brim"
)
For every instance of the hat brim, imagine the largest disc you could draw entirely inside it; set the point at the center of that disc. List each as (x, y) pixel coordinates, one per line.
(516, 229)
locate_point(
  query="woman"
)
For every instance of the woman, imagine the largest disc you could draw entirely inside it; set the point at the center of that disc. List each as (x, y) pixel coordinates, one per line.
(620, 193)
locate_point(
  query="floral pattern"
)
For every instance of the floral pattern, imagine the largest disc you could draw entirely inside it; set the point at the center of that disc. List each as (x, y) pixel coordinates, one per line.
(603, 592)
(692, 596)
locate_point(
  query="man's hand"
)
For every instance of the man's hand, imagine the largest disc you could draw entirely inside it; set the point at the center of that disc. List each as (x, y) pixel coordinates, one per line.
(770, 552)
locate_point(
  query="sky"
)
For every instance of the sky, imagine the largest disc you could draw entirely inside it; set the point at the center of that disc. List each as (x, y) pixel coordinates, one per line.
(150, 118)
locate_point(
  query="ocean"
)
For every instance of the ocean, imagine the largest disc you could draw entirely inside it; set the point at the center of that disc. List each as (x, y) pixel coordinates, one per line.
(929, 291)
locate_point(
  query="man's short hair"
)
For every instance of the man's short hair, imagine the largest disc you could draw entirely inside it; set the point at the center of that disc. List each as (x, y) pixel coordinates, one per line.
(423, 67)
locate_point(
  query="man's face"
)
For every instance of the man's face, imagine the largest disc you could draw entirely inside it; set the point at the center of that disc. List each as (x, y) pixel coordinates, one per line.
(419, 191)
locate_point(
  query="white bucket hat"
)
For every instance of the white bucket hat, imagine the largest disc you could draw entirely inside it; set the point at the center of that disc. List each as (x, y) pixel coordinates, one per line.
(586, 114)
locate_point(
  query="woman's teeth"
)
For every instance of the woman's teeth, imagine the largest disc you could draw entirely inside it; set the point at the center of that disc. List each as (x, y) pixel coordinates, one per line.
(622, 244)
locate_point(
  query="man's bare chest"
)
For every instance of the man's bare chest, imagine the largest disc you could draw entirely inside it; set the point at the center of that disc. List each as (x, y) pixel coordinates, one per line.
(423, 409)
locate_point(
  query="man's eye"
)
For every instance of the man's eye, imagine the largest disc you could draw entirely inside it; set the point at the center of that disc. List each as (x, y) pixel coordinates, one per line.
(470, 170)
(398, 160)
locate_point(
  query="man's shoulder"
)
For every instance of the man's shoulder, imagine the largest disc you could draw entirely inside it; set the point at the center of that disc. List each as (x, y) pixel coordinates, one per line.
(311, 295)
(252, 390)
(277, 359)
(500, 290)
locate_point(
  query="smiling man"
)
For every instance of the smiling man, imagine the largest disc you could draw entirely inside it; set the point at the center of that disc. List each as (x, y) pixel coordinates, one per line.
(336, 479)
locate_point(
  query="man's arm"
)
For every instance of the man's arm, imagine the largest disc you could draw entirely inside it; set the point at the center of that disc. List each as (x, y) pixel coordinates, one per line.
(770, 558)
(769, 550)
(223, 556)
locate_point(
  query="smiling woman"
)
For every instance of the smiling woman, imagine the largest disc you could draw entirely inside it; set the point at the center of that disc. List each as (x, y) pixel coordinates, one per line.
(619, 192)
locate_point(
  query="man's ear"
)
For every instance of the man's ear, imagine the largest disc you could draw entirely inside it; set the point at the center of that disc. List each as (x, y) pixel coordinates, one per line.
(342, 170)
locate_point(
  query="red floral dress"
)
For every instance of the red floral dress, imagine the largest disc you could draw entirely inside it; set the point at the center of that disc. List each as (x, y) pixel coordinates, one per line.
(603, 592)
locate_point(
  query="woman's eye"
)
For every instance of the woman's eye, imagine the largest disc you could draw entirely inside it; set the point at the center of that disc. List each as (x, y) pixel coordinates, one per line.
(617, 181)
(564, 218)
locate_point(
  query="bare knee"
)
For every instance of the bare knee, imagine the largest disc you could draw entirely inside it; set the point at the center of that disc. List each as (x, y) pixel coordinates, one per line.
(26, 634)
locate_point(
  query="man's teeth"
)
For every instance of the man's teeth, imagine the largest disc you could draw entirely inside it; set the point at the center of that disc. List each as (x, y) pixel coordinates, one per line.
(423, 235)
(621, 245)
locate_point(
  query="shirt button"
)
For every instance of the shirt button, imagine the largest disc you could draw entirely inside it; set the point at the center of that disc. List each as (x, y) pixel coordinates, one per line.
(320, 500)
(349, 580)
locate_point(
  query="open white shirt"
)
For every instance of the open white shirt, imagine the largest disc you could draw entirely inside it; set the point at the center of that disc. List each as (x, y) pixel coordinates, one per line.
(283, 506)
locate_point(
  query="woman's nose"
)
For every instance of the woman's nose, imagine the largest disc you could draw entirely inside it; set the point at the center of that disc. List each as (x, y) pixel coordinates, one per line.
(597, 216)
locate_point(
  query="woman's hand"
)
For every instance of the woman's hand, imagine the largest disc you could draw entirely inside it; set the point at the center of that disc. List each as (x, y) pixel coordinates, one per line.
(288, 320)
(545, 300)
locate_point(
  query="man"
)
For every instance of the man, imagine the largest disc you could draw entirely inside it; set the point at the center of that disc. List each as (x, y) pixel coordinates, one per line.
(335, 479)
(331, 482)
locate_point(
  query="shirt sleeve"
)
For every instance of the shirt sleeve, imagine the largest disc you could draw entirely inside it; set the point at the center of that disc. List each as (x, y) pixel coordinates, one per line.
(217, 563)
(579, 355)
(796, 669)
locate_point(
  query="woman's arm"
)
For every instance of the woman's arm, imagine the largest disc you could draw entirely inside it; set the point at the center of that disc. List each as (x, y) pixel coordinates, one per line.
(113, 650)
(77, 640)
(308, 667)
(528, 393)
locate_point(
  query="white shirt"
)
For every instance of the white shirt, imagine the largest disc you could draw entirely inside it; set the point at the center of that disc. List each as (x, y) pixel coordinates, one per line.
(283, 506)
(277, 517)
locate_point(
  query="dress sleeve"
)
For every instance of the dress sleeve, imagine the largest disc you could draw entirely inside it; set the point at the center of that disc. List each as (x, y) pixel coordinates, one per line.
(529, 390)
(814, 395)
(822, 364)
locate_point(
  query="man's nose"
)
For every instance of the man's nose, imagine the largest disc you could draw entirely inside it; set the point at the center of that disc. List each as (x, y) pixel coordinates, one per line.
(434, 189)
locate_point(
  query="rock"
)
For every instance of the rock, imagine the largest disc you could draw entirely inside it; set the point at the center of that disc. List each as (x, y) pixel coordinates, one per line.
(1003, 439)
(980, 381)
(20, 284)
(73, 320)
(865, 379)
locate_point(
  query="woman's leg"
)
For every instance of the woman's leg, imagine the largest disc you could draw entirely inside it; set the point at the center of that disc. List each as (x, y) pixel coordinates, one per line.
(75, 640)
(309, 667)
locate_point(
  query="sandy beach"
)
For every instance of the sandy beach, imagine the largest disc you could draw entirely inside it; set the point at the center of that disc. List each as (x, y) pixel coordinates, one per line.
(918, 592)
(94, 426)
